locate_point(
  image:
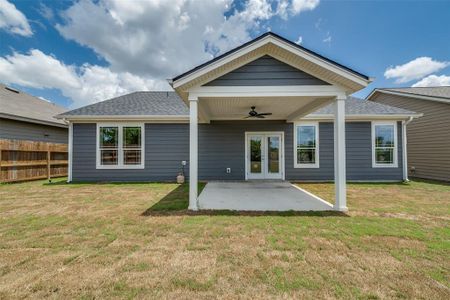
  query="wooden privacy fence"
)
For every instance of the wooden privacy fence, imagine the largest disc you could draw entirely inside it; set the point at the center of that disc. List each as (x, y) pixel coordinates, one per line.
(28, 160)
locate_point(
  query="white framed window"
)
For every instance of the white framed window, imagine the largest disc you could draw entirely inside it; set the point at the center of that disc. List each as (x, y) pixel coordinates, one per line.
(120, 145)
(384, 144)
(306, 145)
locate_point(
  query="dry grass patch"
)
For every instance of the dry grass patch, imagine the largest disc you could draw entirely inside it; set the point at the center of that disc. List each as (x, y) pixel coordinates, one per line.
(137, 241)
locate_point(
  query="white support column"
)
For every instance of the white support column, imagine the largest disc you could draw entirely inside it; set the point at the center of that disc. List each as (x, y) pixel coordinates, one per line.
(340, 179)
(70, 154)
(193, 152)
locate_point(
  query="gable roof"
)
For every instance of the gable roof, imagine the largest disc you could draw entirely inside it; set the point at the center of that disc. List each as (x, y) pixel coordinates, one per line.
(280, 48)
(438, 93)
(137, 104)
(169, 106)
(359, 107)
(17, 105)
(269, 33)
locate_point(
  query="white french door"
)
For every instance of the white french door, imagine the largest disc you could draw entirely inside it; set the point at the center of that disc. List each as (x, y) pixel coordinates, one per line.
(264, 157)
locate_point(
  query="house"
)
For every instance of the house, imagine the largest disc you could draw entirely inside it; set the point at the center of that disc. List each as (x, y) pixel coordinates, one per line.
(24, 117)
(269, 109)
(428, 136)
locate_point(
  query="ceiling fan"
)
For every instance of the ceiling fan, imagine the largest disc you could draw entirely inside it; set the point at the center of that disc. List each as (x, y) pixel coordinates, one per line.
(254, 114)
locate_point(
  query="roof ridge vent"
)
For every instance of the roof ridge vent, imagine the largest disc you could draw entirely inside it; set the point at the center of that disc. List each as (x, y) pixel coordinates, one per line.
(11, 89)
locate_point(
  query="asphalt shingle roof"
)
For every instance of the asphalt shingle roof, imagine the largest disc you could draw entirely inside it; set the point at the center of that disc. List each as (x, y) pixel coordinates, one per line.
(170, 104)
(437, 91)
(134, 104)
(356, 106)
(16, 103)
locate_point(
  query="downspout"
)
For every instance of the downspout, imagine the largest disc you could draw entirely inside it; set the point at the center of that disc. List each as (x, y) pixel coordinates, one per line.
(404, 148)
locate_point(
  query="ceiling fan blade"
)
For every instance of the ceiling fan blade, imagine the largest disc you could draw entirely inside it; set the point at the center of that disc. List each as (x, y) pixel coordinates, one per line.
(248, 117)
(265, 114)
(260, 116)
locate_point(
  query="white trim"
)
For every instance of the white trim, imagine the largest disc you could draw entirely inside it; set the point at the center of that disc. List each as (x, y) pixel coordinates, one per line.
(390, 123)
(408, 95)
(282, 44)
(114, 118)
(268, 91)
(264, 135)
(340, 160)
(367, 117)
(70, 146)
(305, 165)
(193, 153)
(120, 149)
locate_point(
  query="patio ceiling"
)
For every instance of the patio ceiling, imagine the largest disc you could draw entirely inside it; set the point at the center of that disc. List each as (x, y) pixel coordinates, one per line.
(282, 108)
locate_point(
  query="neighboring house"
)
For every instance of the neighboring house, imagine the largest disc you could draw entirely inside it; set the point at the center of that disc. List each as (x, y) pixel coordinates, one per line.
(428, 136)
(24, 117)
(209, 123)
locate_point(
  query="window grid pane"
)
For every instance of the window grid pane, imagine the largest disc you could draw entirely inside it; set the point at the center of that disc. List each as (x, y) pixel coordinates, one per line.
(109, 137)
(108, 157)
(131, 137)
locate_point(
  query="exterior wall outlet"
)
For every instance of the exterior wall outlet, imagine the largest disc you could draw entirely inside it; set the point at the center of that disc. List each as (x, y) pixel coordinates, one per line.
(228, 170)
(183, 162)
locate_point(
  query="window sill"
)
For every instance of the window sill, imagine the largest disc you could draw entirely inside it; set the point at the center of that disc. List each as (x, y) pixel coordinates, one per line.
(120, 167)
(385, 166)
(306, 166)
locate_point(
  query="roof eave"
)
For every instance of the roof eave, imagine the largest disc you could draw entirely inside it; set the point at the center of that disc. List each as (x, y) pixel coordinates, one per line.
(365, 117)
(72, 118)
(31, 120)
(408, 95)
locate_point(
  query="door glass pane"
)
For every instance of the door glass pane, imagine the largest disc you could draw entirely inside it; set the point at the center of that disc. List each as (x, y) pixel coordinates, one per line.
(255, 154)
(273, 154)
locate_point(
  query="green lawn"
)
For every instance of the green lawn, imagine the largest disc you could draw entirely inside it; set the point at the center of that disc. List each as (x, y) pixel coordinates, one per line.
(137, 240)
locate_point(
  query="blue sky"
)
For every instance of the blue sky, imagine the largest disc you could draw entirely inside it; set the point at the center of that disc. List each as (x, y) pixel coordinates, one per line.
(76, 53)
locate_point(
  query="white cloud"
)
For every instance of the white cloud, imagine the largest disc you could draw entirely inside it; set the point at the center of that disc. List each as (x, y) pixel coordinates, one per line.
(304, 5)
(433, 80)
(12, 20)
(299, 40)
(84, 84)
(415, 69)
(164, 38)
(144, 43)
(327, 39)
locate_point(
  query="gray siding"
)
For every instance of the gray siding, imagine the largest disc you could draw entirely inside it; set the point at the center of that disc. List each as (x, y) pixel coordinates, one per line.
(266, 71)
(428, 136)
(166, 145)
(222, 145)
(18, 130)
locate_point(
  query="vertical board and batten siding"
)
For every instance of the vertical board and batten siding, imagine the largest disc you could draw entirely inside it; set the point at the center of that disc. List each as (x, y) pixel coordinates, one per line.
(18, 130)
(222, 146)
(166, 146)
(266, 71)
(428, 136)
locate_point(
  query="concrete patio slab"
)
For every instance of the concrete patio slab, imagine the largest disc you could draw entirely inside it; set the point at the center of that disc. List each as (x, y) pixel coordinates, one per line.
(259, 196)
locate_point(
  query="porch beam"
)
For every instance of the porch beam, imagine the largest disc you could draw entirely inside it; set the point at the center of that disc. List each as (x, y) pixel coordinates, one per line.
(268, 91)
(307, 109)
(193, 152)
(340, 179)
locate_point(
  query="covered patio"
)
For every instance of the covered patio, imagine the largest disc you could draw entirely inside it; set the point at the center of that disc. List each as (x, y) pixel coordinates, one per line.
(286, 81)
(259, 196)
